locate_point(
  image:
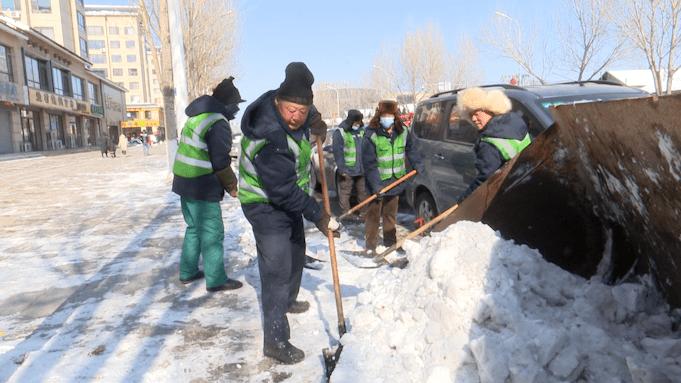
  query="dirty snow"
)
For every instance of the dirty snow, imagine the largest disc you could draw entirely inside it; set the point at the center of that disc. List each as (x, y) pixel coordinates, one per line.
(670, 154)
(474, 307)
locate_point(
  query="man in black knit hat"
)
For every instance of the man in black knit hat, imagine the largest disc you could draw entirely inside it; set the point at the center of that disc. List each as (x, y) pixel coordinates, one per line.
(202, 173)
(274, 190)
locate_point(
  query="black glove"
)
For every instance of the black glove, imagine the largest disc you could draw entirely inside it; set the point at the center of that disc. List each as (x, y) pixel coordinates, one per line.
(318, 126)
(228, 180)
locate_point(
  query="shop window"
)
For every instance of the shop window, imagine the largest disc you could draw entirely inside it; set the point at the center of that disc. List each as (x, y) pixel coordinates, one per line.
(36, 73)
(147, 114)
(41, 6)
(5, 64)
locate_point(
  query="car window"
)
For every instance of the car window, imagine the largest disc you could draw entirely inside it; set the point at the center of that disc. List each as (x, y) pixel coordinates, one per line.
(459, 129)
(428, 122)
(533, 125)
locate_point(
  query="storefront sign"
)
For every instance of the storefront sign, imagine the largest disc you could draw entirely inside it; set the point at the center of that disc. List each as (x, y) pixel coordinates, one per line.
(10, 92)
(97, 109)
(140, 123)
(51, 100)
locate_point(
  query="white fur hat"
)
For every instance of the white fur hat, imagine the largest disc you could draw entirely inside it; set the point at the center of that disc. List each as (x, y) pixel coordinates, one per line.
(471, 99)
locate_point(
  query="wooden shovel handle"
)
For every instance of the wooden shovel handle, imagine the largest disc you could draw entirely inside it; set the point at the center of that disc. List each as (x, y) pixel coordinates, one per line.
(375, 195)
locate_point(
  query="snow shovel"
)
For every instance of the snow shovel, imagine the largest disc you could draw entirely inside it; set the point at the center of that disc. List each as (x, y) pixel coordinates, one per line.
(402, 262)
(375, 195)
(331, 356)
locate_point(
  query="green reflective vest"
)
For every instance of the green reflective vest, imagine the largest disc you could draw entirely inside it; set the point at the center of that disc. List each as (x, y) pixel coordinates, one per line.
(508, 147)
(390, 155)
(192, 159)
(250, 184)
(349, 147)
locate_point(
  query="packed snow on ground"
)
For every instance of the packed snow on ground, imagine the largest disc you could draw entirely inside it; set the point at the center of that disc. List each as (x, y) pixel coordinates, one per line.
(474, 307)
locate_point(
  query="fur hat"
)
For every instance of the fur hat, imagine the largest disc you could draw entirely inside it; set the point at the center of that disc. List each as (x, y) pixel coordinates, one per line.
(387, 106)
(493, 101)
(297, 85)
(226, 92)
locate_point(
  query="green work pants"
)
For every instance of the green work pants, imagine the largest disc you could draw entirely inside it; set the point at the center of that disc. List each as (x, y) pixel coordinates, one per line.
(204, 235)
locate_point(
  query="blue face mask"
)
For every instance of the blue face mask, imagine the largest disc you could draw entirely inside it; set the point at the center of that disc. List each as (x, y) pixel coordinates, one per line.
(386, 122)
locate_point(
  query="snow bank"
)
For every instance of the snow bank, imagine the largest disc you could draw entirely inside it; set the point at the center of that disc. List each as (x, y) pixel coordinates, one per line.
(474, 307)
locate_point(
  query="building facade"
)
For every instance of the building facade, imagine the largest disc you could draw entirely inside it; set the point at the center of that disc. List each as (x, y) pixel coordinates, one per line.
(51, 100)
(61, 20)
(120, 51)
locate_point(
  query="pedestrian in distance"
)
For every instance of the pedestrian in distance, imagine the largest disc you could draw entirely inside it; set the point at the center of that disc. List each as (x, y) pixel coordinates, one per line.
(274, 183)
(104, 146)
(123, 144)
(146, 144)
(386, 147)
(502, 133)
(202, 174)
(347, 151)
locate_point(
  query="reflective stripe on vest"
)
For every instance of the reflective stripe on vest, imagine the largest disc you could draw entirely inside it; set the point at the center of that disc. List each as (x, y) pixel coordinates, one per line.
(508, 147)
(250, 184)
(390, 155)
(192, 159)
(349, 147)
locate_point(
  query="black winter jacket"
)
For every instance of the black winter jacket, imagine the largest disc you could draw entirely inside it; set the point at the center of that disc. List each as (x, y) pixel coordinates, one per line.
(370, 161)
(275, 163)
(488, 158)
(219, 141)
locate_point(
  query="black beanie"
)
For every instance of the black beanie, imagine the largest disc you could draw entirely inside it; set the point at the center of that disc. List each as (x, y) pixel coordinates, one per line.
(297, 86)
(227, 93)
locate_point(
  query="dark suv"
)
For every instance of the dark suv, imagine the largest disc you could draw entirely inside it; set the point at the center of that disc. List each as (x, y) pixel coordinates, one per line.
(446, 140)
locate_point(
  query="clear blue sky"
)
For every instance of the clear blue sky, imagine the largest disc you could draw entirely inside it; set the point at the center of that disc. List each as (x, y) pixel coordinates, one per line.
(338, 40)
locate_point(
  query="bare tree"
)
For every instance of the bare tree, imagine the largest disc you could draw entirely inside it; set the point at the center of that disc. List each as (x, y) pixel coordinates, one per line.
(384, 73)
(210, 38)
(590, 43)
(464, 67)
(510, 39)
(422, 61)
(653, 27)
(209, 31)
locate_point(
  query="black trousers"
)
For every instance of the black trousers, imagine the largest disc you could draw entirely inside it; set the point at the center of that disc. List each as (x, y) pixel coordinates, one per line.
(280, 241)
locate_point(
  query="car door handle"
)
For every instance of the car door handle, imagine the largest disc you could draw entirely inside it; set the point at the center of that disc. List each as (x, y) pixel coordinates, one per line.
(439, 156)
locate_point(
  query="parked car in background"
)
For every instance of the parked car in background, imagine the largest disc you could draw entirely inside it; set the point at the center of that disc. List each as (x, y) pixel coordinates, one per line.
(236, 146)
(135, 141)
(446, 140)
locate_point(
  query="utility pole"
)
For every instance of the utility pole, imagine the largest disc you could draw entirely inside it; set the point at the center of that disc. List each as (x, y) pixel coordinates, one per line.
(167, 88)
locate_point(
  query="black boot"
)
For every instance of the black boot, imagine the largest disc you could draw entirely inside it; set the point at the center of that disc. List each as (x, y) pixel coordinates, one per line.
(231, 284)
(196, 276)
(298, 307)
(284, 352)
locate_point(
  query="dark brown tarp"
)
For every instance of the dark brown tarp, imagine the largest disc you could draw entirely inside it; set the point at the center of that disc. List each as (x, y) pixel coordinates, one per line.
(602, 184)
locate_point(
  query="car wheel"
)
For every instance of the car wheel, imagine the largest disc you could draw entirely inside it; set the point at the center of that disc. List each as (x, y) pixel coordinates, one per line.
(425, 208)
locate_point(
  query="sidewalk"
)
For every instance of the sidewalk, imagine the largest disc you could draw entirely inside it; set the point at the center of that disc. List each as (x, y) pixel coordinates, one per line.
(25, 155)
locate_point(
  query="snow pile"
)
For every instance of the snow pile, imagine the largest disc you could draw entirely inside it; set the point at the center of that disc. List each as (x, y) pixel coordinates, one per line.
(474, 307)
